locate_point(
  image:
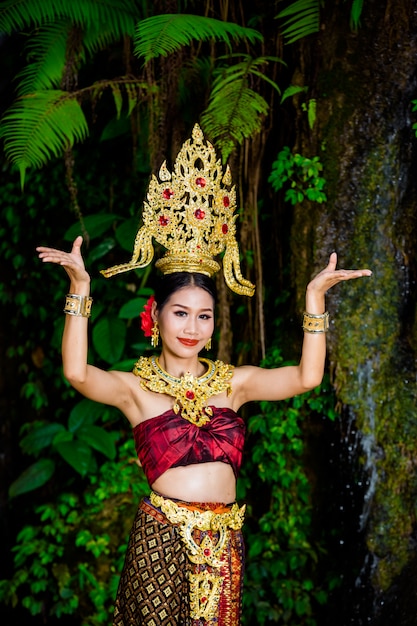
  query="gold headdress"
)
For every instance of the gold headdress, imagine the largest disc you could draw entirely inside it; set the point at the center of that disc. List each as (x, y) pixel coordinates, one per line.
(191, 213)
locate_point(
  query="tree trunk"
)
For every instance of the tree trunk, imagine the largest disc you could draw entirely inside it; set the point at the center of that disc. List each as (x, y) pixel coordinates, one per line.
(364, 83)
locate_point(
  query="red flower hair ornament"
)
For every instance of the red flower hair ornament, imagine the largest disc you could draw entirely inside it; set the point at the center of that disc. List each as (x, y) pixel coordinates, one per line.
(146, 322)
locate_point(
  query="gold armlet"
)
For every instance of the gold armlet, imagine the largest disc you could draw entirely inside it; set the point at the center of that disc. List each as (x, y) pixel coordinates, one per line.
(316, 323)
(78, 305)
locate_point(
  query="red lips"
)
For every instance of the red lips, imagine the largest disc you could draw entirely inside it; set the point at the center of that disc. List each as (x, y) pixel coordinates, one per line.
(188, 342)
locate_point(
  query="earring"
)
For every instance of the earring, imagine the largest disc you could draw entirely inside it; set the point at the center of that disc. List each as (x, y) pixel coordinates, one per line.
(208, 345)
(155, 334)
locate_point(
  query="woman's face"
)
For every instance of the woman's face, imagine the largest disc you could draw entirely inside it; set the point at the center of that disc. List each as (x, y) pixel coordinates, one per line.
(186, 321)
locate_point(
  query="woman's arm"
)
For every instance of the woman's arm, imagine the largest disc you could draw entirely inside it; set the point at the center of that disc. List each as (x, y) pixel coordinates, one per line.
(254, 383)
(92, 382)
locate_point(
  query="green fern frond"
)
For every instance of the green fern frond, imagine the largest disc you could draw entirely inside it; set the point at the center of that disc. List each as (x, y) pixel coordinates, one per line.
(131, 88)
(41, 126)
(46, 52)
(235, 112)
(233, 117)
(98, 36)
(305, 19)
(16, 15)
(355, 14)
(161, 35)
(132, 97)
(248, 66)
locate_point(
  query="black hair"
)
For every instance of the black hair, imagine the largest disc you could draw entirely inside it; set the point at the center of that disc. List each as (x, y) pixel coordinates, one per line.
(170, 283)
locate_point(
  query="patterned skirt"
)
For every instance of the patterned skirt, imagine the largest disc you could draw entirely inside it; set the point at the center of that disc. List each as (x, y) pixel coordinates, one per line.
(184, 565)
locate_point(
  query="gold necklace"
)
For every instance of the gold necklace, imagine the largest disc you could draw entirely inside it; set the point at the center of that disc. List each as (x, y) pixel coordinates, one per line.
(190, 392)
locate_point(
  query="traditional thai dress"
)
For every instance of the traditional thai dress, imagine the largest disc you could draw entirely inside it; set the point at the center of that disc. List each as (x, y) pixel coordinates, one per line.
(184, 562)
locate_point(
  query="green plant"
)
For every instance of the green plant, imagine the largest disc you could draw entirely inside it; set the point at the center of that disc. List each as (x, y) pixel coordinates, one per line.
(414, 103)
(302, 18)
(49, 116)
(235, 111)
(302, 174)
(281, 584)
(54, 572)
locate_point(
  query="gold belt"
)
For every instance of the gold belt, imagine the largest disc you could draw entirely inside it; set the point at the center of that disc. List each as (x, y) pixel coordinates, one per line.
(205, 586)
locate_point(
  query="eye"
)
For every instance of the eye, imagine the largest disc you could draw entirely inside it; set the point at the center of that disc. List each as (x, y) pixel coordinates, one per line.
(180, 313)
(205, 316)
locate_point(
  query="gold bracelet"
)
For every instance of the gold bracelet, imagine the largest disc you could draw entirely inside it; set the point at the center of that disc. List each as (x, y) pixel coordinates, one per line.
(316, 323)
(78, 305)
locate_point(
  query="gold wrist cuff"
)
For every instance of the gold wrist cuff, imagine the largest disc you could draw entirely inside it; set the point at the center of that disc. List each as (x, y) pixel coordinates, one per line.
(78, 305)
(316, 323)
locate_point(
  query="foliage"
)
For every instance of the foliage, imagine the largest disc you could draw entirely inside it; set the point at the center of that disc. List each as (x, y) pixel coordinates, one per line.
(82, 438)
(84, 483)
(302, 173)
(355, 14)
(161, 35)
(36, 128)
(303, 19)
(16, 16)
(69, 562)
(414, 103)
(47, 119)
(235, 111)
(281, 584)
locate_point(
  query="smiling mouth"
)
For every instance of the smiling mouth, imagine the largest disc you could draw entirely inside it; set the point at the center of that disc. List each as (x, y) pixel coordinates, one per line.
(188, 342)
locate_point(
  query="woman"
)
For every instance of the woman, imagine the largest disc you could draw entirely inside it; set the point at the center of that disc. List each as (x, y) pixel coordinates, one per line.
(184, 562)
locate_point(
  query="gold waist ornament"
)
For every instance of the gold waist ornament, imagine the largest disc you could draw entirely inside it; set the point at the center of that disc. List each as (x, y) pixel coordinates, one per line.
(205, 585)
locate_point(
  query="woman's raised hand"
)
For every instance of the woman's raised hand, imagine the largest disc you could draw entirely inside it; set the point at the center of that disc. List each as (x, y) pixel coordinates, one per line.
(72, 262)
(330, 276)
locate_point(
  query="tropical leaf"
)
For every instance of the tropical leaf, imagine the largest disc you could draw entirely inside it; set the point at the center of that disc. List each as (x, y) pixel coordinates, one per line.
(235, 112)
(126, 232)
(40, 126)
(120, 15)
(109, 337)
(233, 116)
(77, 454)
(99, 439)
(304, 20)
(132, 309)
(33, 477)
(40, 437)
(84, 413)
(355, 14)
(99, 35)
(292, 90)
(46, 51)
(96, 225)
(125, 90)
(161, 35)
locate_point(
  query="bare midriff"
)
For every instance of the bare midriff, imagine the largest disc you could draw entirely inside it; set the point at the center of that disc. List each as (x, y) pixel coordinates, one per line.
(201, 482)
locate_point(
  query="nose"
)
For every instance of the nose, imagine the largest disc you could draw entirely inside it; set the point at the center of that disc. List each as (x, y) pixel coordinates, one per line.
(191, 327)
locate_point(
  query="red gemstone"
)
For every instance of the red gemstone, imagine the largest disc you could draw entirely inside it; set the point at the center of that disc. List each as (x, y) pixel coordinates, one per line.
(164, 220)
(225, 229)
(207, 552)
(190, 395)
(199, 214)
(203, 600)
(200, 182)
(226, 201)
(167, 193)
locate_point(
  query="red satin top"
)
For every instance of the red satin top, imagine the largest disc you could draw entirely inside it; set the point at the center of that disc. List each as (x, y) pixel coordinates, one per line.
(169, 440)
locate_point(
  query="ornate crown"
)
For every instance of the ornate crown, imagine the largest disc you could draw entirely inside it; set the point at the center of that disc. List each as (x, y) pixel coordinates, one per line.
(191, 213)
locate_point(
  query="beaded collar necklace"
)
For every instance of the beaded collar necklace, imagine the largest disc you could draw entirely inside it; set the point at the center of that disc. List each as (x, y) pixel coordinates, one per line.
(190, 392)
